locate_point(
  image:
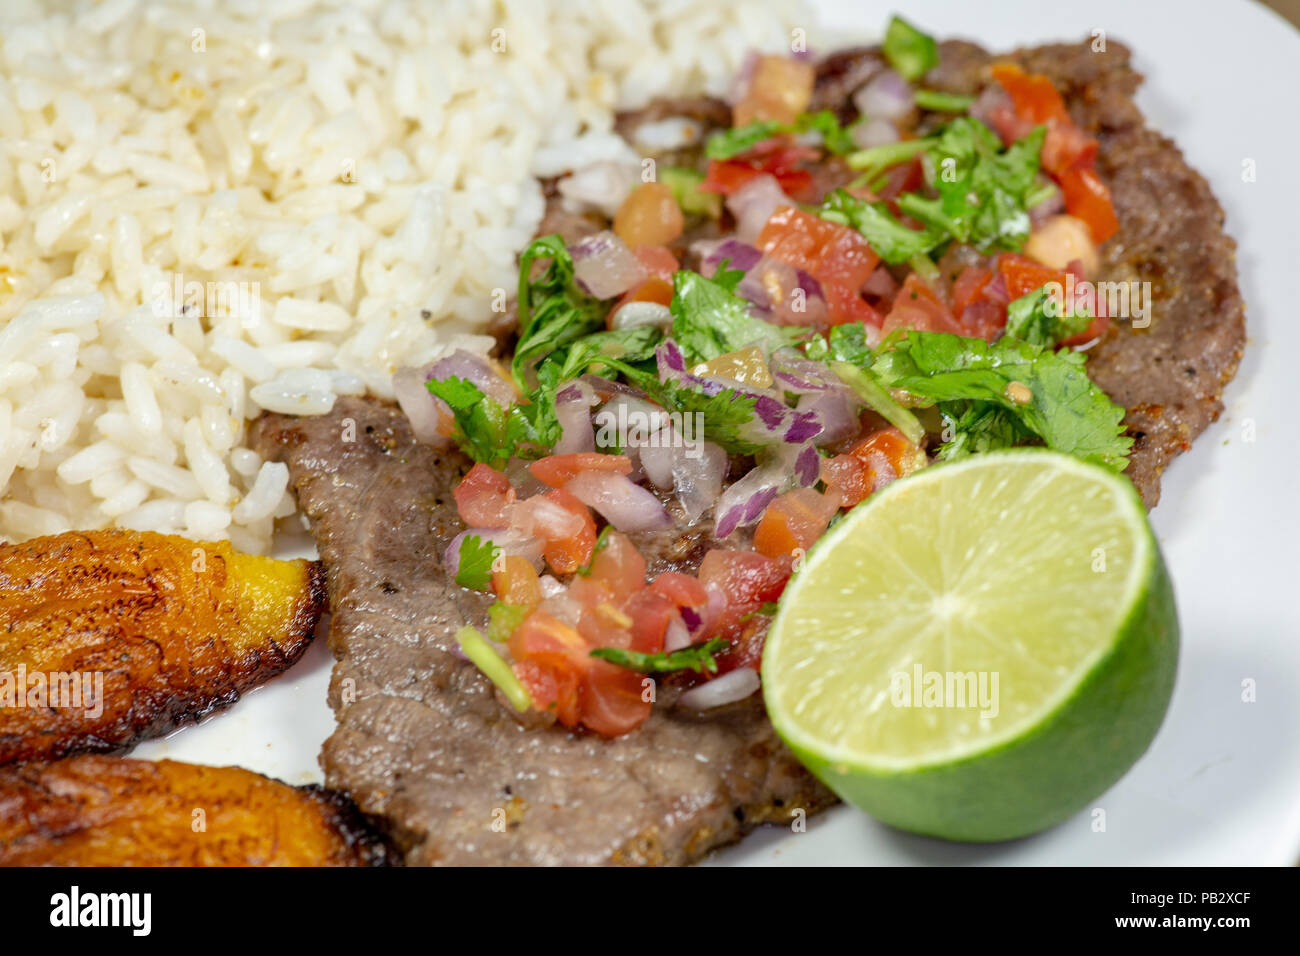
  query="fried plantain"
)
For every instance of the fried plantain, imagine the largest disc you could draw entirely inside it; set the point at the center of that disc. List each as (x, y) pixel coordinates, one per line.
(109, 637)
(94, 810)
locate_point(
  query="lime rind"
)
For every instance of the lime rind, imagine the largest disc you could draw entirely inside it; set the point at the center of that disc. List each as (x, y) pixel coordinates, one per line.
(1078, 739)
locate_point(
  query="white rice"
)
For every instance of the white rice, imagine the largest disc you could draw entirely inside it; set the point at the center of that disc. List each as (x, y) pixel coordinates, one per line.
(209, 209)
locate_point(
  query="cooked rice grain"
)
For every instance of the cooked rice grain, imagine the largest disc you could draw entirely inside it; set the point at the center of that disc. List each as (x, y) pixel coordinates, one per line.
(210, 209)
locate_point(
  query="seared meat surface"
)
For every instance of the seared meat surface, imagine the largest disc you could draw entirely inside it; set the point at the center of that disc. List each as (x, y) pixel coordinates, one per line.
(422, 739)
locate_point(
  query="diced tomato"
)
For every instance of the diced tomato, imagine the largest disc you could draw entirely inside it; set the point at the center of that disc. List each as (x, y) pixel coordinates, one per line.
(545, 638)
(1023, 276)
(551, 688)
(848, 478)
(604, 625)
(746, 648)
(1087, 198)
(1065, 147)
(558, 470)
(649, 216)
(618, 565)
(682, 589)
(887, 455)
(612, 699)
(1033, 94)
(483, 498)
(837, 256)
(977, 314)
(794, 521)
(745, 580)
(918, 307)
(516, 582)
(650, 612)
(775, 157)
(968, 287)
(568, 553)
(779, 88)
(658, 261)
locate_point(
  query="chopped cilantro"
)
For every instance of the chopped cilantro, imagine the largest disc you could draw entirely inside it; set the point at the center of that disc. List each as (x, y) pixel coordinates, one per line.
(1039, 319)
(698, 658)
(740, 139)
(982, 190)
(494, 668)
(476, 557)
(491, 433)
(553, 310)
(1046, 393)
(709, 319)
(888, 238)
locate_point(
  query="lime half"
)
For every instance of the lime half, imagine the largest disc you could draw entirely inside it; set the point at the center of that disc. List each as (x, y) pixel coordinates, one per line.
(979, 650)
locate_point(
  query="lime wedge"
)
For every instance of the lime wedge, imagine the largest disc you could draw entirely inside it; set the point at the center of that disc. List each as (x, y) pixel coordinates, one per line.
(979, 650)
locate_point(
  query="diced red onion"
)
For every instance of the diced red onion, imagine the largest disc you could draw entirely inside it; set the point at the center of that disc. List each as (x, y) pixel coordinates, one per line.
(875, 131)
(837, 411)
(549, 585)
(573, 409)
(605, 265)
(421, 407)
(625, 505)
(698, 478)
(752, 205)
(602, 186)
(657, 462)
(886, 96)
(677, 635)
(787, 466)
(563, 607)
(475, 369)
(737, 255)
(635, 424)
(509, 540)
(727, 689)
(631, 315)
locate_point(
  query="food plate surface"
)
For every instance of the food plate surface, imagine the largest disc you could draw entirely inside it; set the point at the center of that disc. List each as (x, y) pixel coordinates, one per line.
(1221, 783)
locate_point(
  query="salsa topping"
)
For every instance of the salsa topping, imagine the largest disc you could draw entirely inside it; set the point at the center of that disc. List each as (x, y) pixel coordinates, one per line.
(747, 387)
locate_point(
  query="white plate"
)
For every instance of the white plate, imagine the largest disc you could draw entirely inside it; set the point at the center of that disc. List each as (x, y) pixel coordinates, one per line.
(1221, 783)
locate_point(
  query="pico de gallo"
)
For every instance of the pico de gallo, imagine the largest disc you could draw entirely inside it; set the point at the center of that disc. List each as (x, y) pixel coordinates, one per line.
(879, 288)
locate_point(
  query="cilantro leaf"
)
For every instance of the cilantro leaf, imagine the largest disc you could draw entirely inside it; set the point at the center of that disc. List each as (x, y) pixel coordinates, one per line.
(835, 137)
(553, 310)
(491, 433)
(908, 50)
(843, 343)
(888, 238)
(698, 658)
(1040, 319)
(740, 139)
(977, 427)
(476, 557)
(1046, 392)
(709, 319)
(983, 191)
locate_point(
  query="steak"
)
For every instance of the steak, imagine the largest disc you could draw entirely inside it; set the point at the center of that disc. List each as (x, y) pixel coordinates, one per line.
(422, 738)
(1169, 376)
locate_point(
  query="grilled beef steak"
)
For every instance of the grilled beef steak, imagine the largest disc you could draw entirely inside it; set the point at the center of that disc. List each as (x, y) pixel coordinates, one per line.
(422, 739)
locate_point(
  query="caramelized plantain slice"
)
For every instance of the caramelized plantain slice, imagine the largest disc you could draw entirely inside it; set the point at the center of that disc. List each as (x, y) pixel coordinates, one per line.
(114, 811)
(109, 637)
